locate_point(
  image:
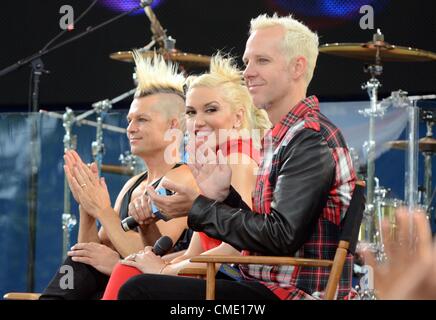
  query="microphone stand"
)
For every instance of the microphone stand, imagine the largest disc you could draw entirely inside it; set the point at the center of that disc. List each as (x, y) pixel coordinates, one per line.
(37, 70)
(34, 151)
(89, 30)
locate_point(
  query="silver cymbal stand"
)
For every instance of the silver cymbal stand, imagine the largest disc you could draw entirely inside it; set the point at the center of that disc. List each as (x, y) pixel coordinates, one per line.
(429, 121)
(399, 99)
(68, 219)
(97, 146)
(100, 108)
(375, 110)
(412, 152)
(411, 175)
(159, 33)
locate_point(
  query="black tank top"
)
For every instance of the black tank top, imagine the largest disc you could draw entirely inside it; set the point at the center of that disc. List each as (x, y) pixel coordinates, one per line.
(183, 242)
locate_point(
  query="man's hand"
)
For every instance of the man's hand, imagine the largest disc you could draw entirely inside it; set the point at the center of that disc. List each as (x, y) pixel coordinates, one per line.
(177, 205)
(72, 159)
(140, 210)
(99, 256)
(211, 172)
(90, 191)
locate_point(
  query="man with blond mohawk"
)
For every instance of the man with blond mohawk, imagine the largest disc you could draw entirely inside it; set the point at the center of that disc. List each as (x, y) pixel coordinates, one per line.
(303, 188)
(157, 109)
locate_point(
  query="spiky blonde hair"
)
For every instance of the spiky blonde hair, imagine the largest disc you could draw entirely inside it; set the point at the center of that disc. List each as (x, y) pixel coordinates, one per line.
(299, 40)
(155, 75)
(225, 75)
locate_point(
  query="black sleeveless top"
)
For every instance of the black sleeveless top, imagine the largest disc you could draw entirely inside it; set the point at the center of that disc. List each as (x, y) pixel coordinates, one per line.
(183, 242)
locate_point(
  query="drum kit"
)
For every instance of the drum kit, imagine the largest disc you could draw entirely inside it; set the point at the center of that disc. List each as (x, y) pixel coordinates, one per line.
(378, 204)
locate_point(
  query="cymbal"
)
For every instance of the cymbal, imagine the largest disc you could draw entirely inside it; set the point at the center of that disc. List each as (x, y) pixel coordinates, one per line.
(188, 60)
(426, 144)
(110, 168)
(367, 51)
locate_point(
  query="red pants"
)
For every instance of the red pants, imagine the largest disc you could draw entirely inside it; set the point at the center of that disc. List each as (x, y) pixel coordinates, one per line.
(120, 274)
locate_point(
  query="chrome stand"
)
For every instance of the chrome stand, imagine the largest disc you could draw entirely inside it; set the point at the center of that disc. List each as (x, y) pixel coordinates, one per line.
(97, 146)
(375, 111)
(68, 219)
(428, 166)
(134, 163)
(411, 174)
(368, 229)
(100, 108)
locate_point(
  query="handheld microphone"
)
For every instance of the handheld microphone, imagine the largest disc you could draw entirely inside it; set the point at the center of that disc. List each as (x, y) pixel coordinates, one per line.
(162, 246)
(130, 223)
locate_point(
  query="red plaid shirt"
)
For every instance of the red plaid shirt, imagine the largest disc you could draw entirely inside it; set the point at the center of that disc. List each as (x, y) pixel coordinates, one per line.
(296, 282)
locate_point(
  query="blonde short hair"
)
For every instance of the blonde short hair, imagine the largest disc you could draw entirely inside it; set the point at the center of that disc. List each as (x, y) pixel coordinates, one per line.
(225, 75)
(299, 40)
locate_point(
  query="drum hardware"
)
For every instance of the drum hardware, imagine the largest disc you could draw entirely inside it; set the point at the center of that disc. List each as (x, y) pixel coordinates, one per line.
(165, 47)
(116, 169)
(101, 108)
(378, 51)
(428, 117)
(97, 146)
(411, 170)
(372, 86)
(69, 220)
(380, 194)
(365, 288)
(131, 165)
(187, 60)
(426, 144)
(385, 51)
(372, 50)
(134, 163)
(84, 122)
(159, 33)
(430, 201)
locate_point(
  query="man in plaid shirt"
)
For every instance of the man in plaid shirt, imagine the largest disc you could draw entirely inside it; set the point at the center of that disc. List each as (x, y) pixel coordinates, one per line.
(304, 184)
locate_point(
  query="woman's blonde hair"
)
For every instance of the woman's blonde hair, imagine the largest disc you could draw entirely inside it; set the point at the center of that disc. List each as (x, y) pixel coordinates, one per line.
(225, 75)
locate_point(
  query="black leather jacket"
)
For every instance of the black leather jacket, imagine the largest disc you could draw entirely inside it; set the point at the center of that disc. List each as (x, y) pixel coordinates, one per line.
(303, 179)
